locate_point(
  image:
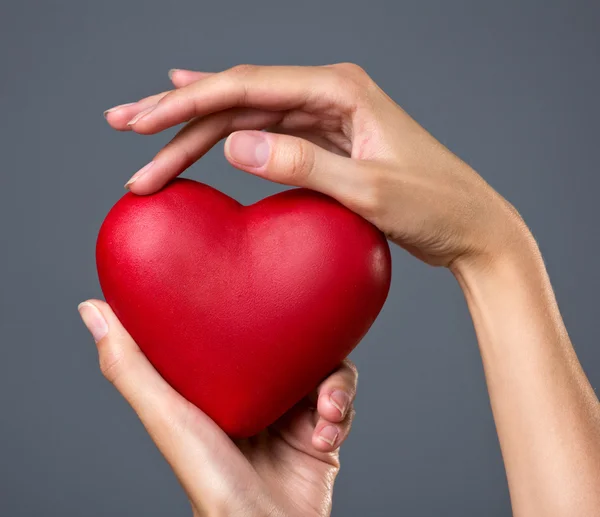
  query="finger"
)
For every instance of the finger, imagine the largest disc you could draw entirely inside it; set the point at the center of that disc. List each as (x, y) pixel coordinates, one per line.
(275, 88)
(328, 436)
(321, 432)
(192, 142)
(297, 428)
(197, 450)
(118, 116)
(197, 137)
(337, 392)
(310, 135)
(180, 77)
(295, 161)
(125, 366)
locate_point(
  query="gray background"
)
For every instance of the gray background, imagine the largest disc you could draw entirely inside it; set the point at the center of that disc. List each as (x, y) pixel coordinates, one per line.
(511, 86)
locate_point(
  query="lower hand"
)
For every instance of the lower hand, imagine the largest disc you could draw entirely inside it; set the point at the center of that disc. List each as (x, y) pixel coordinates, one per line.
(287, 470)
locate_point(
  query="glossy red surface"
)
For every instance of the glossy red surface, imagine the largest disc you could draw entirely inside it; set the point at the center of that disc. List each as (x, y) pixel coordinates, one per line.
(242, 309)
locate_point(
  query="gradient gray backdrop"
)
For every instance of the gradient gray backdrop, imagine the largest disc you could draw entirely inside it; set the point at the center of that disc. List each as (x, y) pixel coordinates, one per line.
(512, 87)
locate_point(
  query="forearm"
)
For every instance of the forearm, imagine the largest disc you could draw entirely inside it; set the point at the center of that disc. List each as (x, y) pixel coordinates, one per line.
(546, 413)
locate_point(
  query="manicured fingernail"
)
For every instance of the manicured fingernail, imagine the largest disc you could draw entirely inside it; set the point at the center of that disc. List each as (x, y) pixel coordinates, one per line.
(139, 174)
(118, 108)
(93, 319)
(329, 434)
(250, 148)
(141, 115)
(172, 71)
(340, 400)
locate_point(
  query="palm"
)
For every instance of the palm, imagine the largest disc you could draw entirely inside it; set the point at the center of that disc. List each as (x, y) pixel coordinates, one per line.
(284, 458)
(281, 465)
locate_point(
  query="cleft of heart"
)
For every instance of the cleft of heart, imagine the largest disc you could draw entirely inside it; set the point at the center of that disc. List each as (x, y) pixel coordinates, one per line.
(242, 309)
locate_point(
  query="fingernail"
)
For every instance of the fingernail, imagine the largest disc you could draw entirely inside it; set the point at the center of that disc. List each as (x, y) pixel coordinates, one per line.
(340, 400)
(249, 148)
(139, 174)
(93, 319)
(140, 115)
(118, 108)
(329, 434)
(171, 72)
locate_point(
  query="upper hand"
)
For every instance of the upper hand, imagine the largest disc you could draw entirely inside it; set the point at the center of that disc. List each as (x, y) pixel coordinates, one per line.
(332, 129)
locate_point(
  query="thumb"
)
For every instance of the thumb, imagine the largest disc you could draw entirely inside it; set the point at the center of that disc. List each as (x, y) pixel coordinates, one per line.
(292, 160)
(159, 406)
(196, 448)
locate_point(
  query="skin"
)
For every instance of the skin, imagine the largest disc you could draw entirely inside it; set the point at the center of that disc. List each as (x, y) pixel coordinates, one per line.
(332, 129)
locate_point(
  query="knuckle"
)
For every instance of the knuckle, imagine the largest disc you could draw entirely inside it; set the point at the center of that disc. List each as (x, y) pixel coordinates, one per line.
(238, 76)
(351, 69)
(352, 372)
(184, 100)
(302, 161)
(351, 416)
(111, 359)
(352, 75)
(349, 363)
(351, 84)
(374, 187)
(347, 423)
(169, 97)
(242, 69)
(177, 153)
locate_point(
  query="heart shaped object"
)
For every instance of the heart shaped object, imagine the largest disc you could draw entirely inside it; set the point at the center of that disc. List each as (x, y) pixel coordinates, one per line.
(242, 309)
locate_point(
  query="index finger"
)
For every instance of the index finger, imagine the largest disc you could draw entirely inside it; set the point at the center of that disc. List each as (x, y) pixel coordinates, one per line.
(275, 88)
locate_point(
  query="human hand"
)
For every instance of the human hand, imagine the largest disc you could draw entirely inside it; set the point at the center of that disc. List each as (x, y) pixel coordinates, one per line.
(332, 129)
(287, 470)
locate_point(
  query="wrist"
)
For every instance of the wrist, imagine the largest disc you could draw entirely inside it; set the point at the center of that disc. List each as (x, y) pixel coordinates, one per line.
(515, 265)
(507, 245)
(509, 296)
(510, 291)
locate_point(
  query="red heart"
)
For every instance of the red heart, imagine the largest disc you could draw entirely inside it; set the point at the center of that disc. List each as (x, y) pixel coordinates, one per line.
(242, 309)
